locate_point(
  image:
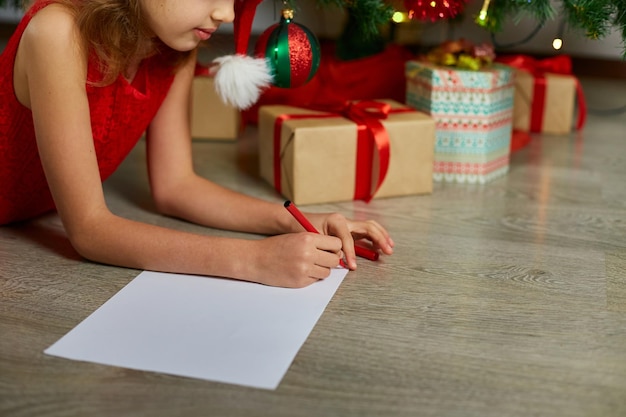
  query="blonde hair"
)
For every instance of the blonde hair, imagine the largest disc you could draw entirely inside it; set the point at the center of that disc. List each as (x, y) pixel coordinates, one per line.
(116, 31)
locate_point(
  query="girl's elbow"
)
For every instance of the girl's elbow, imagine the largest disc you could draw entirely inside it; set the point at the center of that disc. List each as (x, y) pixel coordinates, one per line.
(167, 199)
(164, 203)
(87, 237)
(84, 245)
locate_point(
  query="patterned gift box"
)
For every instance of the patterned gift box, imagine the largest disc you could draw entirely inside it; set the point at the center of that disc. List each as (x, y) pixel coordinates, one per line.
(312, 156)
(473, 112)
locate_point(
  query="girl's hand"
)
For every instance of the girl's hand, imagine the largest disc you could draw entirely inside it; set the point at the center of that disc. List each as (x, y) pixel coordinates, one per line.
(349, 231)
(297, 260)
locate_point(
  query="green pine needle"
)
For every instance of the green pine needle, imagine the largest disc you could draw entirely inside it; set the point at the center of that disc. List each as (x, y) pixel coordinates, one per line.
(595, 18)
(368, 14)
(591, 16)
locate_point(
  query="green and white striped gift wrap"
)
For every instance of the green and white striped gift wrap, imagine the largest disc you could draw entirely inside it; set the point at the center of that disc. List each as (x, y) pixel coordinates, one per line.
(473, 112)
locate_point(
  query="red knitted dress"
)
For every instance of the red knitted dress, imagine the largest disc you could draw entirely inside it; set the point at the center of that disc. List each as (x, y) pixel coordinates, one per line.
(120, 113)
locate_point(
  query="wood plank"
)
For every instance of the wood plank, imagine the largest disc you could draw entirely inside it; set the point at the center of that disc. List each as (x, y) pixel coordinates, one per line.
(507, 299)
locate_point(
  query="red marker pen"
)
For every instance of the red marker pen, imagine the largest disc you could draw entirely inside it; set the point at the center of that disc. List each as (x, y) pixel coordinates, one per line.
(366, 253)
(297, 214)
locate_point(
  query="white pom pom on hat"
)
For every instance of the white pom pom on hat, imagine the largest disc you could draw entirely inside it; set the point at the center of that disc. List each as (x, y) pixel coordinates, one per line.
(239, 78)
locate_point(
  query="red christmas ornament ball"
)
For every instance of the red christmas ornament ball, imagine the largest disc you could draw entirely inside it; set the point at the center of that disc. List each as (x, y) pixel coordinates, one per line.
(292, 51)
(433, 10)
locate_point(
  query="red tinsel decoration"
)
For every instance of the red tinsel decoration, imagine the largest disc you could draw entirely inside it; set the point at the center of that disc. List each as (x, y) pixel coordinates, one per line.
(433, 10)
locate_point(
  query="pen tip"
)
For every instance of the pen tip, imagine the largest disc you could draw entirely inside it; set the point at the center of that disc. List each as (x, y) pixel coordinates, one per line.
(287, 203)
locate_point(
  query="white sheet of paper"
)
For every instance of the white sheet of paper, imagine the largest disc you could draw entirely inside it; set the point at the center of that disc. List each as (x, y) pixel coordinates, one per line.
(208, 328)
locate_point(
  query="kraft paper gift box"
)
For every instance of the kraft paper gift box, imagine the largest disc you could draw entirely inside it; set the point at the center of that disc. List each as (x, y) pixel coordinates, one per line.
(551, 114)
(315, 157)
(211, 118)
(473, 111)
(546, 92)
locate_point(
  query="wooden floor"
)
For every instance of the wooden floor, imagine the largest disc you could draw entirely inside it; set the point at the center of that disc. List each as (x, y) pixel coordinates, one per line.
(501, 300)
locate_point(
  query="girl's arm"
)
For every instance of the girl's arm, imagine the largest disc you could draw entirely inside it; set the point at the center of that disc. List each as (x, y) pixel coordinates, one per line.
(50, 79)
(179, 192)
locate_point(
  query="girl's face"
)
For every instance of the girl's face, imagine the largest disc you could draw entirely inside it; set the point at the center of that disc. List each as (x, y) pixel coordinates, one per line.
(182, 24)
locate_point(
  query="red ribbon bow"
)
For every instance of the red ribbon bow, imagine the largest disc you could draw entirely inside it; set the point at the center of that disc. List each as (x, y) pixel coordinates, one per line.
(561, 64)
(372, 141)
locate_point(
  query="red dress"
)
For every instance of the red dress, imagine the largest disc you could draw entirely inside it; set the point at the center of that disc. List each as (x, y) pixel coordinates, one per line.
(120, 114)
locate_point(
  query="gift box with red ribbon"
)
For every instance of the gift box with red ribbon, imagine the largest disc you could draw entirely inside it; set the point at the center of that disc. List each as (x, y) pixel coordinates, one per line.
(545, 94)
(473, 110)
(211, 118)
(350, 151)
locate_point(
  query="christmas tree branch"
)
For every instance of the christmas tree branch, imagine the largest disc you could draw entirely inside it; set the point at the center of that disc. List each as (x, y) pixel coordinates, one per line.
(368, 14)
(597, 18)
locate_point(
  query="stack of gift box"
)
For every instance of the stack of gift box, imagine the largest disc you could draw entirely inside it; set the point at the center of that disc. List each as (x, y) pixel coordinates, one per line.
(462, 106)
(481, 103)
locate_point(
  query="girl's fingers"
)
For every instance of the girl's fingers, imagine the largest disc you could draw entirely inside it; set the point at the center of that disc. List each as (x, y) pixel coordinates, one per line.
(377, 234)
(319, 272)
(328, 259)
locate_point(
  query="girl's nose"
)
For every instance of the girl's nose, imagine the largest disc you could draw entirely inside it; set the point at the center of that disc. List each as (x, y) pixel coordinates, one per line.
(224, 12)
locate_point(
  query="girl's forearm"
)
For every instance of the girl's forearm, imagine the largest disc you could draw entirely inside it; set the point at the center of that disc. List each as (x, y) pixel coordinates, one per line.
(211, 205)
(117, 241)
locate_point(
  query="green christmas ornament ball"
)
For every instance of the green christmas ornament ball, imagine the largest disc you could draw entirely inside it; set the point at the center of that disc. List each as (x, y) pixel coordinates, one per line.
(292, 50)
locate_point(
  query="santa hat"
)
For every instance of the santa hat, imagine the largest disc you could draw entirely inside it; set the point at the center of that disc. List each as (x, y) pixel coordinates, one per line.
(239, 78)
